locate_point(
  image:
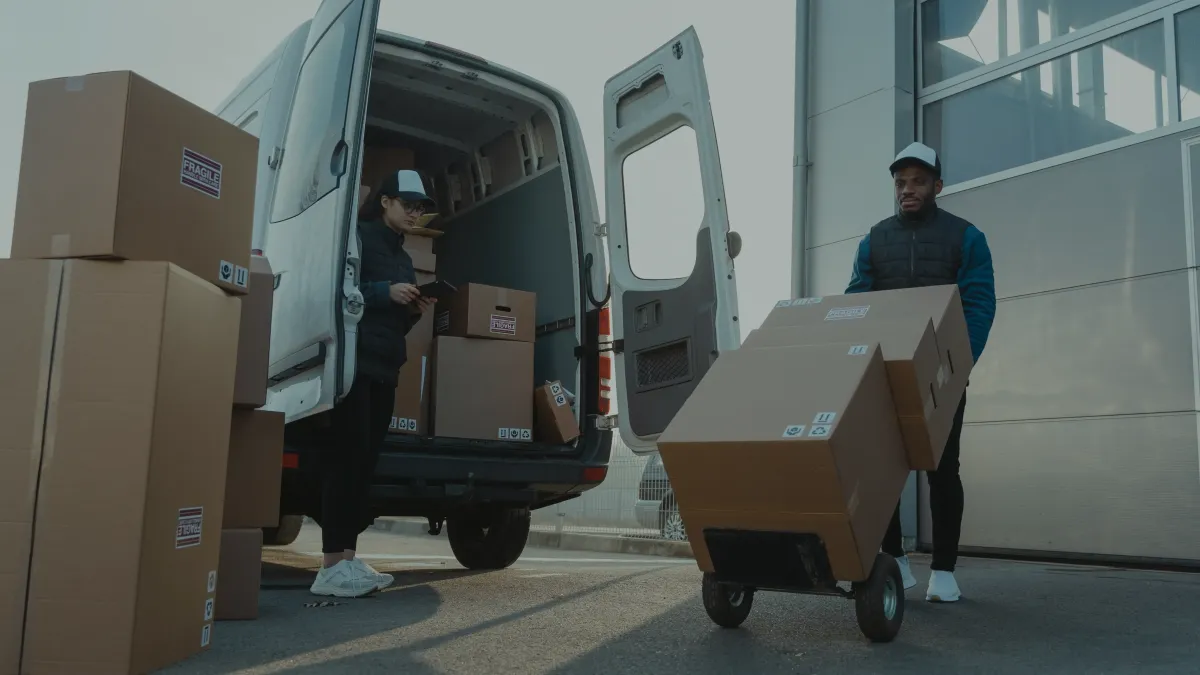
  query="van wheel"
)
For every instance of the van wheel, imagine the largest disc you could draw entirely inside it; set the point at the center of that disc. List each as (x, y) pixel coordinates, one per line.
(285, 533)
(489, 539)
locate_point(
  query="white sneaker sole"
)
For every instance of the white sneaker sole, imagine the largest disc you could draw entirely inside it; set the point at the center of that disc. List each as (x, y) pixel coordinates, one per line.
(339, 592)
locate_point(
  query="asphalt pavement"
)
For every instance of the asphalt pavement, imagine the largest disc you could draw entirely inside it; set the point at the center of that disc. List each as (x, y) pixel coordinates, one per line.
(577, 612)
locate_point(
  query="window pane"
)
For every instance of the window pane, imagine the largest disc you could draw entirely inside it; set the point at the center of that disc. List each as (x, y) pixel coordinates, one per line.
(1187, 46)
(318, 119)
(1107, 91)
(962, 35)
(664, 206)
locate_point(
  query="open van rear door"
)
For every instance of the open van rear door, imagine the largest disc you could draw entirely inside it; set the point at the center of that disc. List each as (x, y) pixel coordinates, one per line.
(311, 234)
(666, 332)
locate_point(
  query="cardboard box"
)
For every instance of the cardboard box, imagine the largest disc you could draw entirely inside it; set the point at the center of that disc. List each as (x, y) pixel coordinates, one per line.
(240, 575)
(553, 415)
(254, 338)
(420, 249)
(794, 440)
(133, 440)
(161, 178)
(481, 311)
(481, 389)
(379, 161)
(900, 320)
(410, 413)
(254, 479)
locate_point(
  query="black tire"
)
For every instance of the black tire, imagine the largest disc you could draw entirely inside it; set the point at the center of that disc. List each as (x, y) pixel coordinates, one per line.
(285, 533)
(488, 540)
(727, 606)
(879, 601)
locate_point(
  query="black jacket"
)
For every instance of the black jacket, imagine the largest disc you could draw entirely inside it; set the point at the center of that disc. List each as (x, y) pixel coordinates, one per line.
(381, 344)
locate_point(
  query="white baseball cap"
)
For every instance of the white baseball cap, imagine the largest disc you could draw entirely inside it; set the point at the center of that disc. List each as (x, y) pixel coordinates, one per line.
(917, 154)
(407, 185)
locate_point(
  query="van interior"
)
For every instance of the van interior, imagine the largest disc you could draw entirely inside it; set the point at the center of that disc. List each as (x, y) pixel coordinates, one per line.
(491, 158)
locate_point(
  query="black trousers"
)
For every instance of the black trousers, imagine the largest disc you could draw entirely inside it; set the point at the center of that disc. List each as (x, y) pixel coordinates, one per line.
(945, 504)
(360, 424)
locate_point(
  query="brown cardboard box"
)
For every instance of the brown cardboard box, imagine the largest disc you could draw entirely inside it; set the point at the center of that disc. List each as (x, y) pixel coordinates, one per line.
(162, 178)
(379, 161)
(553, 415)
(481, 389)
(254, 339)
(420, 249)
(794, 440)
(481, 311)
(240, 574)
(254, 478)
(893, 315)
(136, 437)
(410, 414)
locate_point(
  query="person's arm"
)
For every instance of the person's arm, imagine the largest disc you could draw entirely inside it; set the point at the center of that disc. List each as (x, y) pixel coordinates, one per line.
(862, 276)
(977, 286)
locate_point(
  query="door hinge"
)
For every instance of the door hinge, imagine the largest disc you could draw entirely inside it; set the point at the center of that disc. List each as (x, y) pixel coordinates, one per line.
(606, 422)
(276, 158)
(602, 229)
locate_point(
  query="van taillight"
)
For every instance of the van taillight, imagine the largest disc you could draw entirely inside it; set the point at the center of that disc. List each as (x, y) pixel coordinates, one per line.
(606, 363)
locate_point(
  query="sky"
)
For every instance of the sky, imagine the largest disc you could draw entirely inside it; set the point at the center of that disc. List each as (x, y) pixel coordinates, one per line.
(202, 50)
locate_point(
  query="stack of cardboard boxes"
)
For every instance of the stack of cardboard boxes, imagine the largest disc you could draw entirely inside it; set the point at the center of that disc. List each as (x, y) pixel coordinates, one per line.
(131, 249)
(814, 424)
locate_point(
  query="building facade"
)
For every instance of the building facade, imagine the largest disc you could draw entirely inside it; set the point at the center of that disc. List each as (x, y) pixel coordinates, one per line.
(1069, 132)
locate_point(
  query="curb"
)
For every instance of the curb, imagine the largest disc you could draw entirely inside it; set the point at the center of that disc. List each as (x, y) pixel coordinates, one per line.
(570, 541)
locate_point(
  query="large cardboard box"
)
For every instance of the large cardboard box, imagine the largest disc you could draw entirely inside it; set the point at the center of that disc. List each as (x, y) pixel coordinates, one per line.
(410, 413)
(792, 440)
(114, 166)
(554, 418)
(480, 311)
(254, 340)
(254, 478)
(122, 375)
(420, 249)
(926, 396)
(481, 389)
(240, 572)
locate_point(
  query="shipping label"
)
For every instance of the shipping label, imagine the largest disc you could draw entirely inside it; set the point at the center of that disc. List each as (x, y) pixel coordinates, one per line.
(514, 434)
(560, 400)
(794, 431)
(443, 323)
(189, 527)
(841, 313)
(241, 276)
(824, 418)
(799, 302)
(201, 173)
(555, 389)
(208, 609)
(404, 424)
(504, 325)
(820, 431)
(212, 581)
(206, 635)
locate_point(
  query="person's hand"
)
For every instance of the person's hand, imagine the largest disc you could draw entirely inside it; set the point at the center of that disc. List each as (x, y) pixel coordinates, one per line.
(403, 294)
(423, 305)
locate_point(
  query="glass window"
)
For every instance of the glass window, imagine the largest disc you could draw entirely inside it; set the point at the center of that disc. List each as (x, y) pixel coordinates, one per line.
(962, 35)
(1107, 91)
(664, 206)
(1187, 49)
(318, 120)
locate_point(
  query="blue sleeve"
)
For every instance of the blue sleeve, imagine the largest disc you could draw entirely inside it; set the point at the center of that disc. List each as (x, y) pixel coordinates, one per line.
(977, 286)
(861, 279)
(376, 293)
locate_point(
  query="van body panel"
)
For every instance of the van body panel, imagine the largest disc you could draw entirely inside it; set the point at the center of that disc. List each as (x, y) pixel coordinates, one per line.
(670, 331)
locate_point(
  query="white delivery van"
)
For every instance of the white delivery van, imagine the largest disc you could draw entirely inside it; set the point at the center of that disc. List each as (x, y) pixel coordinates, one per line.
(519, 210)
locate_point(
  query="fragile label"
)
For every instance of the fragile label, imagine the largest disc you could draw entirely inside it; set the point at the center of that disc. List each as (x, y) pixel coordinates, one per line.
(225, 272)
(556, 389)
(201, 173)
(443, 322)
(560, 400)
(241, 276)
(208, 609)
(404, 424)
(794, 431)
(504, 325)
(820, 431)
(212, 581)
(189, 527)
(799, 302)
(840, 313)
(514, 434)
(206, 635)
(858, 350)
(824, 418)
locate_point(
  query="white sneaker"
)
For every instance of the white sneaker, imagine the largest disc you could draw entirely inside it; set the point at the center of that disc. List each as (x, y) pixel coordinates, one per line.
(381, 580)
(343, 580)
(942, 587)
(906, 572)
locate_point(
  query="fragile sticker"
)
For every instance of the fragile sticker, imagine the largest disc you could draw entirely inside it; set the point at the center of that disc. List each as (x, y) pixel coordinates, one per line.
(241, 276)
(820, 431)
(858, 350)
(841, 313)
(799, 302)
(443, 322)
(555, 389)
(212, 581)
(201, 173)
(208, 609)
(794, 431)
(504, 325)
(824, 418)
(560, 400)
(225, 272)
(206, 635)
(189, 526)
(404, 424)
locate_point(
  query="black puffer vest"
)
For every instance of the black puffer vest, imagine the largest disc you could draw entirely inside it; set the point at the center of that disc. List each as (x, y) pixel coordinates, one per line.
(382, 349)
(923, 250)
